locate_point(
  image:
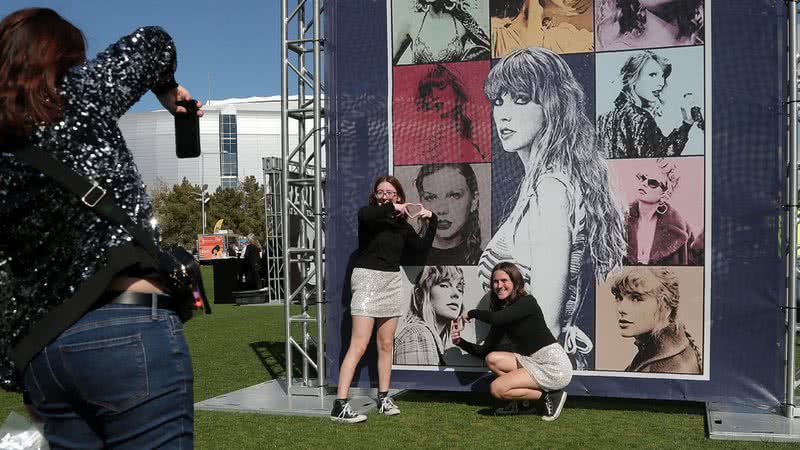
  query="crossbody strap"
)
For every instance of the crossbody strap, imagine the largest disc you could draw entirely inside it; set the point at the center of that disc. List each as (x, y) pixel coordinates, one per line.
(91, 194)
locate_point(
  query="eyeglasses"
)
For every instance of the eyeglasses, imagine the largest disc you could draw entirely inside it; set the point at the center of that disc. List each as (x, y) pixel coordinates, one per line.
(386, 194)
(652, 183)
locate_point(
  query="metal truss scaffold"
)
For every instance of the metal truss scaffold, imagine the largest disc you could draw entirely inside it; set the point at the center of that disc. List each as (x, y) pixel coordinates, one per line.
(302, 199)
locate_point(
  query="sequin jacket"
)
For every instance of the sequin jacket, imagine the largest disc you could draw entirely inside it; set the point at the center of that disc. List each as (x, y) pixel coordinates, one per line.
(629, 131)
(51, 242)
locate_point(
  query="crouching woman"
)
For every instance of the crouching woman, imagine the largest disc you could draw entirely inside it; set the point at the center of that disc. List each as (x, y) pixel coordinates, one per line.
(538, 368)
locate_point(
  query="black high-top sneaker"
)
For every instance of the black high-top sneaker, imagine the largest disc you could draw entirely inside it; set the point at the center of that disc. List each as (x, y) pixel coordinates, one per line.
(343, 413)
(553, 404)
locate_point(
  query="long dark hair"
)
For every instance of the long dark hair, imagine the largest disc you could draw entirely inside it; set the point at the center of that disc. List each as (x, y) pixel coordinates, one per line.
(565, 143)
(472, 229)
(401, 194)
(516, 278)
(37, 47)
(631, 17)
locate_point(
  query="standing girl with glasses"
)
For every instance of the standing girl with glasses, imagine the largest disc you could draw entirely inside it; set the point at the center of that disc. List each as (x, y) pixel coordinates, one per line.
(385, 240)
(657, 233)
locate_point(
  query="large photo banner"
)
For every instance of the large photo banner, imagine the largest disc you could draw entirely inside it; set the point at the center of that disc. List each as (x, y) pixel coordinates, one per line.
(570, 138)
(627, 155)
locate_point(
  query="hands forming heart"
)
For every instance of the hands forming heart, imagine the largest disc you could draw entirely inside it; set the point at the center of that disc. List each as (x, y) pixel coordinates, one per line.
(413, 209)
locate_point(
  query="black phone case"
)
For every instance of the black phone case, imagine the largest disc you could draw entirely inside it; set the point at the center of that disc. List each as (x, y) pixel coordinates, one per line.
(187, 131)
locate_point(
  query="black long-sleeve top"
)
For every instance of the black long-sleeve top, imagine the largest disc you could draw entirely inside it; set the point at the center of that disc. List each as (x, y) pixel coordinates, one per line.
(385, 242)
(522, 320)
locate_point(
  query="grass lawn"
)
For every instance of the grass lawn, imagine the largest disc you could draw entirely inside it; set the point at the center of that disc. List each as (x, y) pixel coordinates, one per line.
(237, 347)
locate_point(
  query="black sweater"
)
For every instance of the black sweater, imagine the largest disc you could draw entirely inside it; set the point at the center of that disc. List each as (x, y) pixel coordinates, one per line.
(522, 320)
(385, 242)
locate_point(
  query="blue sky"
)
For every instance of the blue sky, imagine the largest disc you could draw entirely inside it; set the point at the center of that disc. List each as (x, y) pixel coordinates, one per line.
(237, 41)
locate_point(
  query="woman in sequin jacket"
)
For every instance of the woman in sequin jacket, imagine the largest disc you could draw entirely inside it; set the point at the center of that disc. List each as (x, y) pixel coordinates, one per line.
(120, 375)
(630, 130)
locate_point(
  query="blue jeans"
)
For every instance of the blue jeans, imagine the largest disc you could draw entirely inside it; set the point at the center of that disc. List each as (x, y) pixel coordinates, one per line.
(120, 377)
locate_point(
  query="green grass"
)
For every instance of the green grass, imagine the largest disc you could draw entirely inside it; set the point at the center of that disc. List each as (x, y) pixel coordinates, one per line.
(237, 347)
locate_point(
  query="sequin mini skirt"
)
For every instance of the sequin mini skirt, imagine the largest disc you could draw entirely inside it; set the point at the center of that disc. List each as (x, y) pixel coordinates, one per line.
(375, 293)
(549, 367)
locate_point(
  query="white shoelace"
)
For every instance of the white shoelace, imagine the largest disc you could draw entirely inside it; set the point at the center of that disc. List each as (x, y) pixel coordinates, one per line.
(388, 403)
(347, 411)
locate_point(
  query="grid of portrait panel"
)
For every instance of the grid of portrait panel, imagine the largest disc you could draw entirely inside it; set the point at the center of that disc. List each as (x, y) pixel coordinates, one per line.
(568, 137)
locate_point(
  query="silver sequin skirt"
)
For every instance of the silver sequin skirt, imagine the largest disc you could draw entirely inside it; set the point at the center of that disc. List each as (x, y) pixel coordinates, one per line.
(549, 367)
(375, 293)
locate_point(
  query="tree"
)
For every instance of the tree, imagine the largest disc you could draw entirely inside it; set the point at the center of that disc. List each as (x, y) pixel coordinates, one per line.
(178, 213)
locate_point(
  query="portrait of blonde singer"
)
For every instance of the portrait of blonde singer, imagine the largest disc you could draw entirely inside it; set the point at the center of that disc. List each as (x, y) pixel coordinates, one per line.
(634, 24)
(656, 231)
(647, 104)
(565, 213)
(423, 333)
(563, 26)
(431, 31)
(650, 319)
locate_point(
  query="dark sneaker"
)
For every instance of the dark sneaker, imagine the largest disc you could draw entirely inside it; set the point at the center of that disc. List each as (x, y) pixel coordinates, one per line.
(553, 404)
(343, 413)
(517, 408)
(387, 407)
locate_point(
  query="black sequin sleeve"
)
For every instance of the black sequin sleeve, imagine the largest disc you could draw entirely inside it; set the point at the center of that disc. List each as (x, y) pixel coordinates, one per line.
(138, 62)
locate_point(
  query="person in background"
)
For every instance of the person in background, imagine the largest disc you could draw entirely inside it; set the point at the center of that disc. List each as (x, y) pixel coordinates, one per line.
(121, 375)
(251, 264)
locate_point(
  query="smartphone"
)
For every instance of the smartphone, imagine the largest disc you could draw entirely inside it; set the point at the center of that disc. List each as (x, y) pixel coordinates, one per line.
(187, 131)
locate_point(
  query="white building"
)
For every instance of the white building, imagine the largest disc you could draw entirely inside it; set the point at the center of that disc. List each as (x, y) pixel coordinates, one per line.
(235, 134)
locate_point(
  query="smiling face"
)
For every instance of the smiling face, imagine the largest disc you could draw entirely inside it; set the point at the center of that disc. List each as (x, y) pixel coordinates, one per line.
(637, 313)
(386, 193)
(518, 121)
(502, 285)
(445, 192)
(447, 299)
(651, 82)
(650, 186)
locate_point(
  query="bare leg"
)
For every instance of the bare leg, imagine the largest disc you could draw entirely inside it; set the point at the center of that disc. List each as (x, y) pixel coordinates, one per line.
(362, 331)
(386, 329)
(516, 385)
(501, 362)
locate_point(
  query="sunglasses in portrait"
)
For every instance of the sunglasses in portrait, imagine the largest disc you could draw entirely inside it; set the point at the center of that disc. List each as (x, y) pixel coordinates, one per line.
(652, 183)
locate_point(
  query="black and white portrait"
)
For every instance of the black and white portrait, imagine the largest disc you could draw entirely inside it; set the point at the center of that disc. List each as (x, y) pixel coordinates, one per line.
(650, 103)
(433, 31)
(460, 196)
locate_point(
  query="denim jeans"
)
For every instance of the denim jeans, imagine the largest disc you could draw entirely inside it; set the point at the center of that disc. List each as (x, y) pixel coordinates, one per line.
(120, 377)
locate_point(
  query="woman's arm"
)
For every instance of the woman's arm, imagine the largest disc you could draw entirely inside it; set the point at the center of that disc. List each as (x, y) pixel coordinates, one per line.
(423, 243)
(511, 313)
(489, 344)
(372, 215)
(120, 75)
(550, 239)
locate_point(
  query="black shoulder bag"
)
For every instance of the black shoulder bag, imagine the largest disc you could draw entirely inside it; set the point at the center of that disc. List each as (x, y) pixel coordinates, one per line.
(178, 267)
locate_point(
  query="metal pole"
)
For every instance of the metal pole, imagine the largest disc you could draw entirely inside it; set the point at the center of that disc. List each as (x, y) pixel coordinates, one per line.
(301, 131)
(318, 207)
(285, 191)
(203, 191)
(791, 216)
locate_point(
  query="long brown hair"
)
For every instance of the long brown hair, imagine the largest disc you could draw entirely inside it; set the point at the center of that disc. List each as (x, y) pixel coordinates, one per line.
(37, 47)
(516, 278)
(401, 194)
